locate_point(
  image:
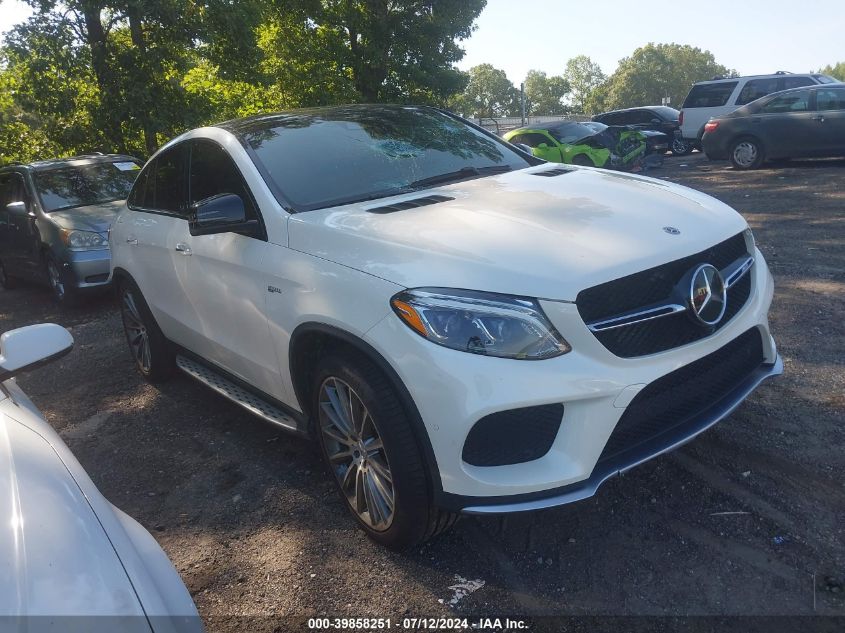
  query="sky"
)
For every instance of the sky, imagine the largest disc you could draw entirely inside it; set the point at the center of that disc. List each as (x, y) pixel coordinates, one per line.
(751, 36)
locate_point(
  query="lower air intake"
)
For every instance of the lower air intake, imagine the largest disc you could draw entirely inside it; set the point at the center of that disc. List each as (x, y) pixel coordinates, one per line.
(513, 437)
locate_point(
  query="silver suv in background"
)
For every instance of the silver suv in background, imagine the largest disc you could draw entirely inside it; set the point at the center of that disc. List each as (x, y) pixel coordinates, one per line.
(719, 96)
(55, 217)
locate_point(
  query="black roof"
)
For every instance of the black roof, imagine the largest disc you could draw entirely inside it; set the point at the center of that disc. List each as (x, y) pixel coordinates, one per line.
(82, 159)
(259, 122)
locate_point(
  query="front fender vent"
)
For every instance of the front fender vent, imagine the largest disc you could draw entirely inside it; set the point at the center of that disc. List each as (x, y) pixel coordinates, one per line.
(409, 204)
(549, 173)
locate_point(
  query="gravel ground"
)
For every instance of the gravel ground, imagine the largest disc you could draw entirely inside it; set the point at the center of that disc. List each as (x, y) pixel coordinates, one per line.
(745, 520)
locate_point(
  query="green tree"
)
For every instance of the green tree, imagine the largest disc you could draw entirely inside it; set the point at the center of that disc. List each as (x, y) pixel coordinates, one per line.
(836, 70)
(584, 77)
(655, 71)
(544, 94)
(489, 93)
(392, 50)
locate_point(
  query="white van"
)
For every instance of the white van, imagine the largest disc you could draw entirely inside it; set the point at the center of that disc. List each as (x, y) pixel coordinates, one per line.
(717, 97)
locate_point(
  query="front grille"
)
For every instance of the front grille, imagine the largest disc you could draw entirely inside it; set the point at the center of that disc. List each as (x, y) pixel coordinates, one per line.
(679, 397)
(514, 436)
(655, 285)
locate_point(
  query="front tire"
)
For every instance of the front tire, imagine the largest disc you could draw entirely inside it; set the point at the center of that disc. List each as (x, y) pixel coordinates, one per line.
(680, 147)
(746, 153)
(367, 443)
(63, 292)
(151, 351)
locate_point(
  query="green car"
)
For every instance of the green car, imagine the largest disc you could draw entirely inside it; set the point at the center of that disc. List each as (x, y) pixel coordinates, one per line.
(582, 143)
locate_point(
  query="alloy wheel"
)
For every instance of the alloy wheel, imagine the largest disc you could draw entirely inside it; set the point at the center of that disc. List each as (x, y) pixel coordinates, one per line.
(679, 146)
(356, 454)
(136, 332)
(745, 153)
(55, 279)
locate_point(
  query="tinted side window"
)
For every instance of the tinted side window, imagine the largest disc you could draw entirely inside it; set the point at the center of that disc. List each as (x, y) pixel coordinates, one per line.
(169, 184)
(534, 139)
(756, 88)
(643, 117)
(830, 99)
(138, 196)
(12, 189)
(213, 172)
(792, 102)
(161, 185)
(796, 82)
(709, 95)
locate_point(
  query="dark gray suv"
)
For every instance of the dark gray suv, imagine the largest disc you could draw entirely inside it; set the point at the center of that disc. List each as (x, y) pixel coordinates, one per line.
(55, 217)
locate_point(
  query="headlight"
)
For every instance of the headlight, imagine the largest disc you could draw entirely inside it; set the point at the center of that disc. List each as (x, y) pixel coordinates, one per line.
(84, 240)
(480, 322)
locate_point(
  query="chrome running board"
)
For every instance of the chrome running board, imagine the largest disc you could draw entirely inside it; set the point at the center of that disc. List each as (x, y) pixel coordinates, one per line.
(237, 394)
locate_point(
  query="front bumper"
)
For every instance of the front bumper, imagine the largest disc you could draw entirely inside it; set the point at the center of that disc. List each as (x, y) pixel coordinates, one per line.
(88, 269)
(453, 390)
(665, 443)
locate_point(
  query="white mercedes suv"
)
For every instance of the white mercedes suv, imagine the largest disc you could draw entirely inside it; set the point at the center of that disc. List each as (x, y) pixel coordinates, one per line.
(463, 327)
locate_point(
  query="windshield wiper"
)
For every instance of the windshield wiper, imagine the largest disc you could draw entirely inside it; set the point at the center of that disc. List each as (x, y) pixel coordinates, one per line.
(464, 173)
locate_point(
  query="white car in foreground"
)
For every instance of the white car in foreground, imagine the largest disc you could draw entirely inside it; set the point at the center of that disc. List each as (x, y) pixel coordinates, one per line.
(462, 326)
(69, 560)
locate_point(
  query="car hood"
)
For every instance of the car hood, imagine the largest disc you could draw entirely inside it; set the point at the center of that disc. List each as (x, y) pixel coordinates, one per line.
(520, 233)
(55, 557)
(95, 217)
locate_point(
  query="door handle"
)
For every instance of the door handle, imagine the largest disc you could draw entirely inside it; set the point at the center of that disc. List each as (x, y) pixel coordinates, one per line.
(183, 249)
(132, 240)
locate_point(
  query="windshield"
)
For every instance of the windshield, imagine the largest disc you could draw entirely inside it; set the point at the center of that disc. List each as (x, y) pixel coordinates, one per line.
(81, 185)
(572, 132)
(824, 79)
(321, 158)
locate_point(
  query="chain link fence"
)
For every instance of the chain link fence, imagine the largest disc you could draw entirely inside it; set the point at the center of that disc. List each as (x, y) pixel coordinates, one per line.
(500, 125)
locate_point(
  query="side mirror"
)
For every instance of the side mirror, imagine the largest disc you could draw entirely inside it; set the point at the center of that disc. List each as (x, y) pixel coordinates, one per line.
(29, 347)
(542, 146)
(16, 208)
(223, 213)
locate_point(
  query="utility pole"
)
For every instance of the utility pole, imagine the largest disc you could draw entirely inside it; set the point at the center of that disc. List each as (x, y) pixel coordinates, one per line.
(522, 99)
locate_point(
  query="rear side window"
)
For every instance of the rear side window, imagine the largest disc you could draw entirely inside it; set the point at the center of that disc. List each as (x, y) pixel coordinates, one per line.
(796, 82)
(709, 95)
(798, 101)
(533, 139)
(213, 172)
(756, 88)
(161, 186)
(828, 99)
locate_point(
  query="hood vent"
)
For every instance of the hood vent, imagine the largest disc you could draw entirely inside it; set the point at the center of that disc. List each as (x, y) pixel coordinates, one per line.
(557, 171)
(409, 204)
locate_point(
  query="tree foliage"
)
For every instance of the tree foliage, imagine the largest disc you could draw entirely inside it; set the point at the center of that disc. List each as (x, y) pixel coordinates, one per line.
(489, 93)
(837, 71)
(127, 75)
(655, 71)
(544, 94)
(584, 77)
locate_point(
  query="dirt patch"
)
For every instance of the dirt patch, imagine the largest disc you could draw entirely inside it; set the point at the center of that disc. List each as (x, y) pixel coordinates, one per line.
(740, 521)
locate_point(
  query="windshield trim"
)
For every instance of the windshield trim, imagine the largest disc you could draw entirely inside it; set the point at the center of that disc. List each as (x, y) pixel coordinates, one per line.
(293, 209)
